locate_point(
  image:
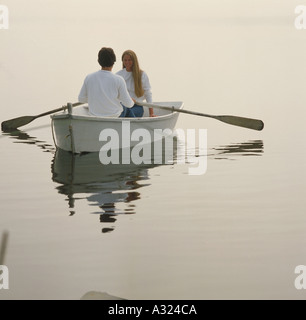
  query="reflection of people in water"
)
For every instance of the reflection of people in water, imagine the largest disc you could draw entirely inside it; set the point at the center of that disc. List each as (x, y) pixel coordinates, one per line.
(109, 194)
(107, 218)
(113, 189)
(110, 188)
(108, 199)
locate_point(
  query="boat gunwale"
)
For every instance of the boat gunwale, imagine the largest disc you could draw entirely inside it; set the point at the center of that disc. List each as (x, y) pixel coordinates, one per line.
(67, 115)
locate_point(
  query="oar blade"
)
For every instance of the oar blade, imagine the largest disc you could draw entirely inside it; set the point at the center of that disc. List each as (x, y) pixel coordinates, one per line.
(249, 123)
(22, 121)
(16, 123)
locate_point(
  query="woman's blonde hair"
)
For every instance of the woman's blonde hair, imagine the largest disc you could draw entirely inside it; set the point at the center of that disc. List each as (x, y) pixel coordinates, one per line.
(137, 72)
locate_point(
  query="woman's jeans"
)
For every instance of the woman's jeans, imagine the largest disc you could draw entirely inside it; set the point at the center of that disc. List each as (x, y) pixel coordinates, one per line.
(135, 112)
(127, 113)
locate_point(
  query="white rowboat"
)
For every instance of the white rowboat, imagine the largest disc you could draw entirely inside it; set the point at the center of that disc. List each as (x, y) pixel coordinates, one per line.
(78, 131)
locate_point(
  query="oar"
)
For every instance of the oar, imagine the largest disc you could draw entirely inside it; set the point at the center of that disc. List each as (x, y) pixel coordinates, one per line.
(22, 121)
(233, 120)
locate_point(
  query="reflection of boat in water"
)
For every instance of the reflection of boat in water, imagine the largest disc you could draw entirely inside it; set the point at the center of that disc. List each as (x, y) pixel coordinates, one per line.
(112, 188)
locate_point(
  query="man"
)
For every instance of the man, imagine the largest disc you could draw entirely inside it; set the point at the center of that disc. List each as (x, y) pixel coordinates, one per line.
(105, 92)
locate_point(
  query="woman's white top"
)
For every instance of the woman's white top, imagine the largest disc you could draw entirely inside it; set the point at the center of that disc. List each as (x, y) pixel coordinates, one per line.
(129, 80)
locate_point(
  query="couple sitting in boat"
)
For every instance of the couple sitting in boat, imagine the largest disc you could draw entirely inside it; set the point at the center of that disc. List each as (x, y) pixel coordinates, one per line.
(114, 95)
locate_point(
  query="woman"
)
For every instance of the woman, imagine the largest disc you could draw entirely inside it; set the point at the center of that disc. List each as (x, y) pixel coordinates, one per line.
(137, 82)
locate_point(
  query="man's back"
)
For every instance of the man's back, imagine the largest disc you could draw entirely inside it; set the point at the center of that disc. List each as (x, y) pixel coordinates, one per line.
(104, 91)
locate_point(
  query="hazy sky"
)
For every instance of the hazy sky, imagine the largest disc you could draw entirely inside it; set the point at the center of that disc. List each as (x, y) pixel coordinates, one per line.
(149, 9)
(193, 50)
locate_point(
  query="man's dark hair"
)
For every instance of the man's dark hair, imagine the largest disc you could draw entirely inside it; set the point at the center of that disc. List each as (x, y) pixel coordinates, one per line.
(106, 57)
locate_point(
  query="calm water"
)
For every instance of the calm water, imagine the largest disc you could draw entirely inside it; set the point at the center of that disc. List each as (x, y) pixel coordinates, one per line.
(156, 232)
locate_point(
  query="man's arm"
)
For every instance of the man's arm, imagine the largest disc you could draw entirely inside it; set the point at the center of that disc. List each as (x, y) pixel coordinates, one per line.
(124, 95)
(83, 97)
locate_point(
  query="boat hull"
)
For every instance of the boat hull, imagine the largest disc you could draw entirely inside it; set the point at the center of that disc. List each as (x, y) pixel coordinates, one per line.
(80, 132)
